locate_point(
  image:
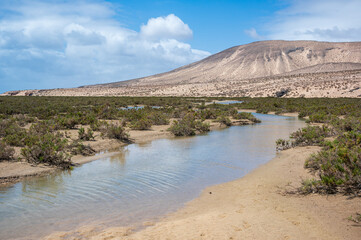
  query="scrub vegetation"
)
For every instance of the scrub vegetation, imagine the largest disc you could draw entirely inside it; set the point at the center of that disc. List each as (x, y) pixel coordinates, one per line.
(36, 129)
(335, 125)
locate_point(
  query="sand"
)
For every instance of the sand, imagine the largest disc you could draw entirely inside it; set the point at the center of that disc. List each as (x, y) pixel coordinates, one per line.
(256, 206)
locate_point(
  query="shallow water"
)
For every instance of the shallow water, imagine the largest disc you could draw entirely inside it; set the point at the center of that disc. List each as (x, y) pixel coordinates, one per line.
(226, 102)
(140, 183)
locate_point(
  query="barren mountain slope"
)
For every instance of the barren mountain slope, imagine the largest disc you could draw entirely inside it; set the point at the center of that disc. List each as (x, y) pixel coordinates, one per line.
(303, 68)
(258, 59)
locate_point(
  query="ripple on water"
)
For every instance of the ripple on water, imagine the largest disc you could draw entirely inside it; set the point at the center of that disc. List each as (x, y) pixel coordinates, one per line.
(141, 182)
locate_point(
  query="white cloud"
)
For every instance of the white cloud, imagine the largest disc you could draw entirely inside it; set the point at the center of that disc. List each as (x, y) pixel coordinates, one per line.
(72, 43)
(325, 20)
(253, 34)
(166, 27)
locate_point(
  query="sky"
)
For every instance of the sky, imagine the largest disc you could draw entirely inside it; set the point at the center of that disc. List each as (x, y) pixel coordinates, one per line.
(70, 43)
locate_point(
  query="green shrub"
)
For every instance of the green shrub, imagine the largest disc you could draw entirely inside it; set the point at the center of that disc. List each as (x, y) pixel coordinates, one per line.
(17, 138)
(338, 165)
(77, 148)
(282, 144)
(201, 127)
(48, 149)
(179, 128)
(12, 133)
(246, 115)
(117, 132)
(311, 135)
(6, 152)
(188, 126)
(224, 120)
(159, 118)
(141, 124)
(67, 122)
(347, 124)
(86, 136)
(208, 114)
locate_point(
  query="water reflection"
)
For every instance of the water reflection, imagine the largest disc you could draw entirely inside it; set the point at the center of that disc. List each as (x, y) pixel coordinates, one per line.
(120, 158)
(142, 181)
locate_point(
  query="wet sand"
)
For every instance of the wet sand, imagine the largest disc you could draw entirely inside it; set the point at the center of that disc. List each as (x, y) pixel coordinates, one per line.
(253, 207)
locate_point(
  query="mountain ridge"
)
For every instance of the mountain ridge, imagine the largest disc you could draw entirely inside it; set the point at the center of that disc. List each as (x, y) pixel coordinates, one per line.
(257, 59)
(305, 68)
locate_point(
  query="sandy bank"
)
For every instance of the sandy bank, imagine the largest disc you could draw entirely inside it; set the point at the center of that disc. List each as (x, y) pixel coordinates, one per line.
(253, 207)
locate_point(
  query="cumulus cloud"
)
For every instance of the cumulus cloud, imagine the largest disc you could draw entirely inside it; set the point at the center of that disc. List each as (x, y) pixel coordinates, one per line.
(170, 26)
(48, 44)
(325, 20)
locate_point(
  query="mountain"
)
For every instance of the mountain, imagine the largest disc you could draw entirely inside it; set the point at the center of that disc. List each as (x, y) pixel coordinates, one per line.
(304, 68)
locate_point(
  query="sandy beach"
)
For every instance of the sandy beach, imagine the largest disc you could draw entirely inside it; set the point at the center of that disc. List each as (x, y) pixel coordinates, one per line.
(256, 206)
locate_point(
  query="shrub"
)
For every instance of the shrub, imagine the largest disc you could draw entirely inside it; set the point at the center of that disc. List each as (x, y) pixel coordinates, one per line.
(12, 133)
(141, 124)
(188, 126)
(346, 125)
(67, 122)
(179, 128)
(117, 132)
(282, 144)
(48, 149)
(77, 147)
(246, 115)
(338, 165)
(22, 119)
(44, 127)
(311, 135)
(224, 120)
(208, 114)
(159, 118)
(6, 152)
(86, 136)
(320, 117)
(201, 127)
(17, 138)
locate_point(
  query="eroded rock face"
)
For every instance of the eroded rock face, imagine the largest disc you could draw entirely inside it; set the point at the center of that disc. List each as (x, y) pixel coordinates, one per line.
(306, 68)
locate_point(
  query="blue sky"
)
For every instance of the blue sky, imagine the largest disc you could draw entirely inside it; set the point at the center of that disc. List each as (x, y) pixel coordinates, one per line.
(69, 43)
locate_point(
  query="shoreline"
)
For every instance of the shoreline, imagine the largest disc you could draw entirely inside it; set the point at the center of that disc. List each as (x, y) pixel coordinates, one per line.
(255, 206)
(12, 172)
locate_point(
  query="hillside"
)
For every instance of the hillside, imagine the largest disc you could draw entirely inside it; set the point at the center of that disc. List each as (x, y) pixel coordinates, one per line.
(305, 68)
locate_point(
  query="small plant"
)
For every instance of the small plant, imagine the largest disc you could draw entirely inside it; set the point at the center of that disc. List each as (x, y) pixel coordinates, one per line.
(224, 120)
(282, 144)
(180, 128)
(158, 118)
(86, 136)
(188, 126)
(202, 127)
(67, 122)
(311, 135)
(6, 152)
(141, 124)
(356, 218)
(246, 115)
(117, 132)
(77, 147)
